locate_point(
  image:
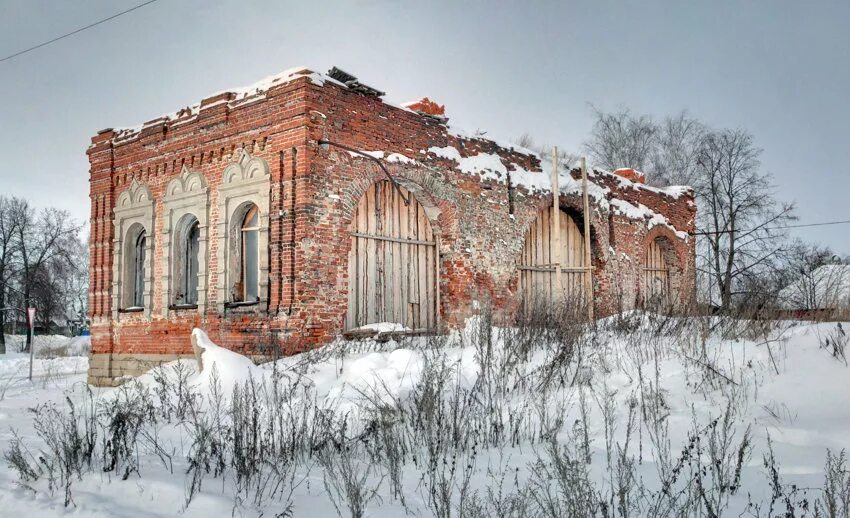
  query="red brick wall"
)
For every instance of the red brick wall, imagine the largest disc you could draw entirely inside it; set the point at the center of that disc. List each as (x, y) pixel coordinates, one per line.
(314, 193)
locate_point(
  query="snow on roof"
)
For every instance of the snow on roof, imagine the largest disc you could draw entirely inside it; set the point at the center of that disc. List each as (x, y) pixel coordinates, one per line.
(256, 91)
(491, 167)
(826, 287)
(487, 165)
(674, 191)
(242, 94)
(381, 155)
(464, 134)
(671, 190)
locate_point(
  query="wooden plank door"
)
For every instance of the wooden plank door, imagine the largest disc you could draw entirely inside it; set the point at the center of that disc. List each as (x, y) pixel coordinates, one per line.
(538, 279)
(392, 265)
(656, 276)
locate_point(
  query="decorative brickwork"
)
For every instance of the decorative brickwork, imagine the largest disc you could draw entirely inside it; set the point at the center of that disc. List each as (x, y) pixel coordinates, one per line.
(260, 146)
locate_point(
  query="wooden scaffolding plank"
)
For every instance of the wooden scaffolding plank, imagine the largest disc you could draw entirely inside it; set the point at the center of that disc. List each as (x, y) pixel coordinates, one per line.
(362, 266)
(422, 268)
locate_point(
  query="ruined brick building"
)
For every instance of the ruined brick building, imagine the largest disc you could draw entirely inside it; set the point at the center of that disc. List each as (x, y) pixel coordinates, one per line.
(262, 216)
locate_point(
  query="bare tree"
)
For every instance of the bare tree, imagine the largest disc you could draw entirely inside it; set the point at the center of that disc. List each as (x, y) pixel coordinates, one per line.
(667, 150)
(525, 140)
(813, 277)
(8, 220)
(738, 214)
(737, 209)
(42, 237)
(48, 293)
(621, 139)
(76, 290)
(676, 152)
(566, 159)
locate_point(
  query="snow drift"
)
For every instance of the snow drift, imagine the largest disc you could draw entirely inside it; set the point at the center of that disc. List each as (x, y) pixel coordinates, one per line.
(640, 414)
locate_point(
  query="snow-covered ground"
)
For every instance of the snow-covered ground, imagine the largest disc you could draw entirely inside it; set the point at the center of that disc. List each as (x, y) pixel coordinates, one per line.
(51, 346)
(648, 416)
(58, 359)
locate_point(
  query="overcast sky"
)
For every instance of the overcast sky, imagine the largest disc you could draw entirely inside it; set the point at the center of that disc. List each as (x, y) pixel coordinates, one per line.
(778, 69)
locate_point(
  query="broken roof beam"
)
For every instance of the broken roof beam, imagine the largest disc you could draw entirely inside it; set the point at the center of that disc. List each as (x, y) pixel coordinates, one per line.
(353, 84)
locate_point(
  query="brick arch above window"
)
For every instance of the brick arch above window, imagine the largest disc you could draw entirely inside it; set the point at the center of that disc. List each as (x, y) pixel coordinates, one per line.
(659, 247)
(573, 207)
(138, 194)
(245, 169)
(187, 183)
(426, 186)
(670, 240)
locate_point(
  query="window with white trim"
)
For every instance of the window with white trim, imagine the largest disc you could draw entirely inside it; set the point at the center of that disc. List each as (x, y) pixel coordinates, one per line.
(133, 259)
(185, 242)
(243, 227)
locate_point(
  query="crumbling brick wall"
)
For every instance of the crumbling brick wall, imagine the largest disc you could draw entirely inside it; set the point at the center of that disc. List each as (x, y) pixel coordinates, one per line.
(313, 191)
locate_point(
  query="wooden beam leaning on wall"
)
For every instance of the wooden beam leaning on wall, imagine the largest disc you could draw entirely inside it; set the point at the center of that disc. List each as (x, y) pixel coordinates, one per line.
(589, 275)
(558, 292)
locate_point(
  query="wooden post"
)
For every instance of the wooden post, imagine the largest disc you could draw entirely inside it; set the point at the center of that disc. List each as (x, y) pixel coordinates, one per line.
(588, 278)
(558, 292)
(437, 315)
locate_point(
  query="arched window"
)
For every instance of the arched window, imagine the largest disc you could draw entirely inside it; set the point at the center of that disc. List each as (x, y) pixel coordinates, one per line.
(185, 245)
(184, 260)
(250, 263)
(243, 231)
(132, 264)
(138, 261)
(190, 264)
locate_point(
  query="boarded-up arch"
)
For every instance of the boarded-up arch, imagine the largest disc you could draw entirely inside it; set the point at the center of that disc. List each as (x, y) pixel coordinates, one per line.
(656, 275)
(392, 265)
(538, 276)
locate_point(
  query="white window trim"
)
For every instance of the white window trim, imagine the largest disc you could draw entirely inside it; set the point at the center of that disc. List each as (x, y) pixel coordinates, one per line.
(186, 194)
(134, 205)
(245, 180)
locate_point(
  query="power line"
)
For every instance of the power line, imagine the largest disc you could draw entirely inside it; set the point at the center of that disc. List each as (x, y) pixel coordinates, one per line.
(81, 29)
(822, 224)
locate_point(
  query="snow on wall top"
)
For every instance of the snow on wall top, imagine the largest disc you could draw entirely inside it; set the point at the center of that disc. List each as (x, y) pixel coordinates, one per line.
(486, 165)
(448, 152)
(241, 95)
(490, 166)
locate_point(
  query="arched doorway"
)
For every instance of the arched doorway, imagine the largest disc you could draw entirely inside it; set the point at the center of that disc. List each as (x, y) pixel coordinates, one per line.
(392, 265)
(656, 275)
(538, 276)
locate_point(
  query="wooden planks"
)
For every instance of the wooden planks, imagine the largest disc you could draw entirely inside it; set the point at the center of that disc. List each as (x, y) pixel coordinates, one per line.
(538, 274)
(392, 262)
(656, 276)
